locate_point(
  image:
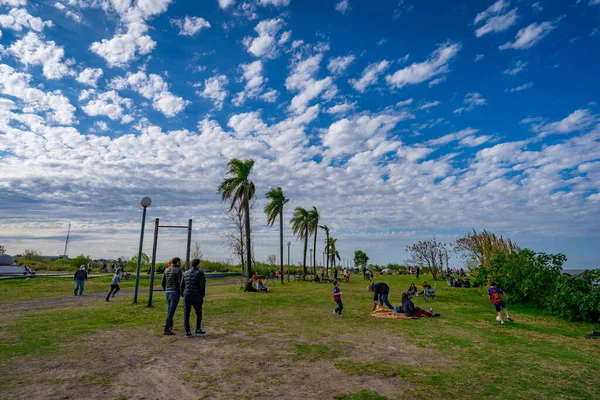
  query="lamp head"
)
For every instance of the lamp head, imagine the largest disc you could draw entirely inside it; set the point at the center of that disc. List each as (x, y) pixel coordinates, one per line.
(145, 202)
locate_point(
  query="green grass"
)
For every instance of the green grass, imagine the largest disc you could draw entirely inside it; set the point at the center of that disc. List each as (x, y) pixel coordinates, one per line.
(463, 354)
(362, 395)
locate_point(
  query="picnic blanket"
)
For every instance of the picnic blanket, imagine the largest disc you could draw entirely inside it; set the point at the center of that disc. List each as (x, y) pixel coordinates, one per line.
(386, 313)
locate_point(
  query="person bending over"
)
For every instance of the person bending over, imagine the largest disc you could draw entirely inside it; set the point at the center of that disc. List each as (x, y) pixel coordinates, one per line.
(381, 291)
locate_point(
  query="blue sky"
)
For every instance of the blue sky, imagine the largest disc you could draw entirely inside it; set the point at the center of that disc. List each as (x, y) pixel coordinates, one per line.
(399, 121)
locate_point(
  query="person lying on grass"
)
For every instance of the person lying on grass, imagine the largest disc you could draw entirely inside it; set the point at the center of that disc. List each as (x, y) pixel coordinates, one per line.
(496, 295)
(410, 310)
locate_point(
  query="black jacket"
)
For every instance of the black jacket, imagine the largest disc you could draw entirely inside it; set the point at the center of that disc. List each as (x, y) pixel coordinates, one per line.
(409, 308)
(171, 279)
(80, 275)
(193, 283)
(380, 288)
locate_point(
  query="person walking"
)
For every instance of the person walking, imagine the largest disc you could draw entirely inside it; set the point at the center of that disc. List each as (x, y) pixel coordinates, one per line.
(381, 291)
(496, 295)
(114, 284)
(418, 272)
(337, 297)
(80, 277)
(193, 289)
(171, 283)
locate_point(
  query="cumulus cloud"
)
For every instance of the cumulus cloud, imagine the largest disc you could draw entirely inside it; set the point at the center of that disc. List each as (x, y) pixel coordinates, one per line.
(69, 13)
(530, 36)
(453, 137)
(19, 18)
(265, 44)
(214, 90)
(338, 65)
(495, 21)
(31, 50)
(518, 67)
(226, 3)
(252, 74)
(189, 26)
(108, 104)
(578, 120)
(471, 101)
(343, 6)
(437, 64)
(154, 88)
(90, 76)
(341, 108)
(369, 76)
(275, 3)
(302, 79)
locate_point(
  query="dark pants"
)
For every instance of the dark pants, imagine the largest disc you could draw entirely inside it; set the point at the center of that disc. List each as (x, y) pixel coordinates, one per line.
(113, 290)
(339, 308)
(172, 302)
(383, 299)
(188, 303)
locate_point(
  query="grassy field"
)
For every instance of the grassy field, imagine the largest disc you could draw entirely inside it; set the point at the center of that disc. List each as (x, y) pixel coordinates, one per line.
(286, 344)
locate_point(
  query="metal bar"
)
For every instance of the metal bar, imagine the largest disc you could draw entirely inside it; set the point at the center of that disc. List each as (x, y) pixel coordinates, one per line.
(139, 260)
(174, 226)
(189, 243)
(153, 262)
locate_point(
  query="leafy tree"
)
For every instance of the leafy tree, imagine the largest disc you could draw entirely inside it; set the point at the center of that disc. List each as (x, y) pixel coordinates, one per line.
(361, 259)
(430, 254)
(2, 249)
(80, 260)
(240, 190)
(30, 254)
(144, 265)
(196, 252)
(300, 226)
(480, 248)
(274, 209)
(333, 252)
(313, 216)
(577, 297)
(326, 229)
(271, 259)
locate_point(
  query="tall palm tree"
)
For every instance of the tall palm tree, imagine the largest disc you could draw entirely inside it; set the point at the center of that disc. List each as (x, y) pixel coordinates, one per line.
(326, 229)
(313, 227)
(300, 225)
(273, 209)
(239, 190)
(333, 253)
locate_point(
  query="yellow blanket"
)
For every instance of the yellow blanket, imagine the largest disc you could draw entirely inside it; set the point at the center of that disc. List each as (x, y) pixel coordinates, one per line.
(386, 313)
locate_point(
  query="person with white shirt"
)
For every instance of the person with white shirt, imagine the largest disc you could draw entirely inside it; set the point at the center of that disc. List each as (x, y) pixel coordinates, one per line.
(114, 284)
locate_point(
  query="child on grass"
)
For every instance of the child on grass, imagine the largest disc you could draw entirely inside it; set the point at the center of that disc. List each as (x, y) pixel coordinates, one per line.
(497, 296)
(337, 297)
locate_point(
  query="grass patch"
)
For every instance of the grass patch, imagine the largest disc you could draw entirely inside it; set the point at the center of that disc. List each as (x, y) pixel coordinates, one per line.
(313, 352)
(362, 395)
(379, 368)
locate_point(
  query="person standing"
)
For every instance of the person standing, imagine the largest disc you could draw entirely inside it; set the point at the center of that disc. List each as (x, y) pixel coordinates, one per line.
(381, 291)
(496, 295)
(80, 277)
(171, 283)
(114, 284)
(337, 297)
(418, 272)
(193, 289)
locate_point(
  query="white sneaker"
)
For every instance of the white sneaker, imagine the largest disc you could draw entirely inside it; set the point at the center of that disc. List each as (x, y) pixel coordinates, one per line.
(508, 317)
(334, 313)
(501, 322)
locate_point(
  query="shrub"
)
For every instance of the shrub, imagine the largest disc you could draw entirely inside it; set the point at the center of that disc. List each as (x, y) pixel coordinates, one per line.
(577, 298)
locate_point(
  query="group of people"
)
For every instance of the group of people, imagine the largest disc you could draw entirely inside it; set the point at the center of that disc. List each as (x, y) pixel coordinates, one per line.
(381, 292)
(260, 286)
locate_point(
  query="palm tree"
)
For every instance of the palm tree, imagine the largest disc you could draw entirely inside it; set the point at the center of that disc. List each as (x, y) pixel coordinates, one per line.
(326, 229)
(240, 190)
(273, 209)
(332, 251)
(300, 225)
(313, 227)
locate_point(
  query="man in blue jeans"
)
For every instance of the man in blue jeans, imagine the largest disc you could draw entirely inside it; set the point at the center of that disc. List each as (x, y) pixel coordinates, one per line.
(171, 283)
(80, 277)
(381, 291)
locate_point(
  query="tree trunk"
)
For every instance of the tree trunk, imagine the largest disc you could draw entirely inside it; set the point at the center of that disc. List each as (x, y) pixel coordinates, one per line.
(327, 248)
(241, 225)
(315, 252)
(305, 248)
(247, 226)
(281, 242)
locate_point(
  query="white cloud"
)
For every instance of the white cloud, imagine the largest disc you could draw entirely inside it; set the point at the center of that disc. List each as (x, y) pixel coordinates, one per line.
(13, 3)
(437, 64)
(492, 10)
(578, 120)
(338, 65)
(426, 106)
(518, 67)
(69, 13)
(474, 141)
(437, 81)
(452, 137)
(214, 90)
(101, 126)
(495, 20)
(403, 7)
(265, 45)
(32, 51)
(108, 104)
(524, 86)
(369, 76)
(530, 36)
(478, 57)
(246, 124)
(404, 103)
(19, 18)
(90, 76)
(284, 38)
(226, 3)
(343, 6)
(594, 2)
(154, 88)
(255, 84)
(341, 108)
(471, 101)
(275, 3)
(537, 7)
(302, 79)
(189, 26)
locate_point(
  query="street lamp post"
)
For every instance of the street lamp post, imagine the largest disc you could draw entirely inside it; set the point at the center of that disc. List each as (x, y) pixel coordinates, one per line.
(145, 203)
(289, 244)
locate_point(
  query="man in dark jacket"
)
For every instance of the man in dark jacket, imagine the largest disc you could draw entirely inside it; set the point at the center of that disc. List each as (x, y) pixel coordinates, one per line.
(193, 288)
(80, 277)
(381, 291)
(171, 283)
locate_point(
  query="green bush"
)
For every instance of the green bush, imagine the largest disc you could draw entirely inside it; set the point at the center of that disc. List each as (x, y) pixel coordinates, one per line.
(577, 298)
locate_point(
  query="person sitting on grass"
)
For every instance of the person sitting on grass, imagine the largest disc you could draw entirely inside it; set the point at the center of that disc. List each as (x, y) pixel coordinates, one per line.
(412, 290)
(497, 296)
(381, 291)
(424, 285)
(410, 310)
(260, 286)
(249, 287)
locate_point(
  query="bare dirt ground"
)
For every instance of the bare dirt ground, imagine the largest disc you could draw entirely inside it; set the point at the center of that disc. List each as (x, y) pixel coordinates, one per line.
(133, 364)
